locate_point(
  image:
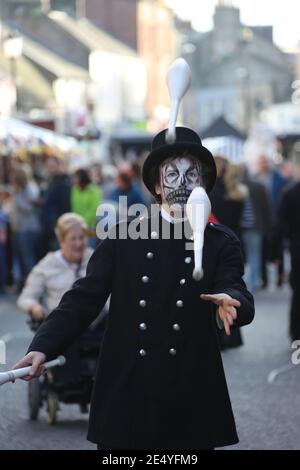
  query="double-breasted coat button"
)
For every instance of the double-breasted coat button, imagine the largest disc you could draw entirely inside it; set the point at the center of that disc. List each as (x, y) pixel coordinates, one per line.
(149, 255)
(182, 282)
(145, 279)
(188, 260)
(143, 326)
(176, 327)
(142, 352)
(154, 235)
(172, 351)
(142, 303)
(179, 303)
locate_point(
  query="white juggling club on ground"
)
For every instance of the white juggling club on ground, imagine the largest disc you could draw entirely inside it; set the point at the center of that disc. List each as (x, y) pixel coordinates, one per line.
(11, 375)
(198, 210)
(178, 81)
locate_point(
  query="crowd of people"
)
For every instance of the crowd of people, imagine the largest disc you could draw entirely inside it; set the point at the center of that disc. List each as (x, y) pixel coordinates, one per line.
(247, 200)
(30, 206)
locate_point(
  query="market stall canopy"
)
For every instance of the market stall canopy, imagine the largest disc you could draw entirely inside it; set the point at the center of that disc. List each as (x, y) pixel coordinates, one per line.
(127, 140)
(16, 134)
(224, 139)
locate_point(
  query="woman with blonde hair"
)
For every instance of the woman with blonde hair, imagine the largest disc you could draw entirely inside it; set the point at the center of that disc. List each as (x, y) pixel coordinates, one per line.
(58, 270)
(228, 195)
(45, 286)
(228, 198)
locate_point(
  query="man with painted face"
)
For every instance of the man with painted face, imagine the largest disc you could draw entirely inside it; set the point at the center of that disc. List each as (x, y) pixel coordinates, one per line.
(178, 177)
(160, 381)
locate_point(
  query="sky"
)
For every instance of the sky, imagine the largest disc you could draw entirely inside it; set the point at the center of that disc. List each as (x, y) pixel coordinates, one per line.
(284, 15)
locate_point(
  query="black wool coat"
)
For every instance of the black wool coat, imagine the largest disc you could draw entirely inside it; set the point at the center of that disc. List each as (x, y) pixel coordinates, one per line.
(160, 381)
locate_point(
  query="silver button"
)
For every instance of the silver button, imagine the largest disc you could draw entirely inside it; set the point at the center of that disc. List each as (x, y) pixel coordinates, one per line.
(143, 326)
(142, 352)
(188, 260)
(142, 218)
(154, 235)
(149, 255)
(142, 303)
(179, 303)
(172, 351)
(176, 327)
(145, 279)
(182, 282)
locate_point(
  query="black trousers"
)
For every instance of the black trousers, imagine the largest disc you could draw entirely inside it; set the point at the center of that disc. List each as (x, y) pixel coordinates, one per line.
(267, 256)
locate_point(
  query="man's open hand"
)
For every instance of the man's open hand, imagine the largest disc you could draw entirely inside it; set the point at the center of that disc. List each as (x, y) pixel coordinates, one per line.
(227, 308)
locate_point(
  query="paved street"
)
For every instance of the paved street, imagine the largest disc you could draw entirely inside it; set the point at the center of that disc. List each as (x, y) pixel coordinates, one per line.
(267, 415)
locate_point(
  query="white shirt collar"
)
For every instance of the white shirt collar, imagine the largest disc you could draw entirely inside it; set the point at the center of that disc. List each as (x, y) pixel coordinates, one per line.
(172, 220)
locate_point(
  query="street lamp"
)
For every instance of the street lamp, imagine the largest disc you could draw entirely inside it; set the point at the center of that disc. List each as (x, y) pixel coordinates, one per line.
(12, 48)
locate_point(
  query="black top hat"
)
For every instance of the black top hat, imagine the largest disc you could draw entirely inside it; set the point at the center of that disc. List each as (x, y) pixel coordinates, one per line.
(186, 140)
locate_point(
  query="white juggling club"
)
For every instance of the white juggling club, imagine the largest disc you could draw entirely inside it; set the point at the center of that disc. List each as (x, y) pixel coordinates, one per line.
(11, 375)
(198, 210)
(178, 81)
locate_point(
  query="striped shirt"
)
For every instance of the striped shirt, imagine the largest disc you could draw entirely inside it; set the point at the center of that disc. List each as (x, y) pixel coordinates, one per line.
(248, 215)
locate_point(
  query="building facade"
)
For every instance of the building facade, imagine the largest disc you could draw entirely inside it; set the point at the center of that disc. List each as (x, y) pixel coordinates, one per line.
(237, 71)
(158, 46)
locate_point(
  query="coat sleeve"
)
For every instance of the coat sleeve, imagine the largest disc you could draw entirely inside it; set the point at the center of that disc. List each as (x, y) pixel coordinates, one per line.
(79, 306)
(228, 280)
(34, 288)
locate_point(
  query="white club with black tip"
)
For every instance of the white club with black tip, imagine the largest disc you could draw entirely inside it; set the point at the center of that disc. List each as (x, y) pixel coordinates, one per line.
(178, 81)
(198, 210)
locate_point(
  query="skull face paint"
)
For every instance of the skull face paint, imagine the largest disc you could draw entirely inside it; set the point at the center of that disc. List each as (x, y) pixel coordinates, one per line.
(179, 177)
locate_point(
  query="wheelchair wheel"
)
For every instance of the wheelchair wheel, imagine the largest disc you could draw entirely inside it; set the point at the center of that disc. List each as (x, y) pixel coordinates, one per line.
(52, 400)
(34, 398)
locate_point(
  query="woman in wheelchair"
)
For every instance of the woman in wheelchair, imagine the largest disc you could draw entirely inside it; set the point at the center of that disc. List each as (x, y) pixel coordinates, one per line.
(58, 270)
(44, 287)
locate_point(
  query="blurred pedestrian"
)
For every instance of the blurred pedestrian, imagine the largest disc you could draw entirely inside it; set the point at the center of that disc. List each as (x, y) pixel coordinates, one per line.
(3, 253)
(55, 202)
(288, 225)
(85, 200)
(227, 199)
(126, 187)
(274, 182)
(24, 221)
(109, 175)
(137, 180)
(256, 224)
(229, 195)
(96, 174)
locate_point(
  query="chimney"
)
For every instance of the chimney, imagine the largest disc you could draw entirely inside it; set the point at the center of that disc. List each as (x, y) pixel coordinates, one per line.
(227, 27)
